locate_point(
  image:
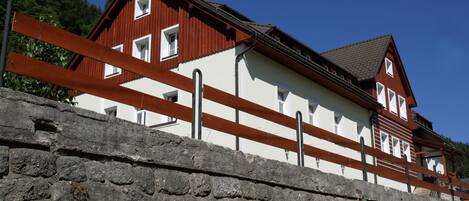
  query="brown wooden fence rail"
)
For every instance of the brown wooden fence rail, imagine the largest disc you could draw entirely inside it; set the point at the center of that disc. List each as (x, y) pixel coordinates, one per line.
(56, 75)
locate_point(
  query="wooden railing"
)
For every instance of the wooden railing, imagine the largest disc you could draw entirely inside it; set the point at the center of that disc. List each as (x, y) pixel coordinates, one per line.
(47, 72)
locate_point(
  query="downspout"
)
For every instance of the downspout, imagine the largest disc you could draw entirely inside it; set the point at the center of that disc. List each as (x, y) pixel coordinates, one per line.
(372, 116)
(237, 60)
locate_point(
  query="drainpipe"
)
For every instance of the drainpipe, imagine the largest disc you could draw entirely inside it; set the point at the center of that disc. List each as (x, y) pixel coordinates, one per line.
(372, 116)
(237, 60)
(6, 30)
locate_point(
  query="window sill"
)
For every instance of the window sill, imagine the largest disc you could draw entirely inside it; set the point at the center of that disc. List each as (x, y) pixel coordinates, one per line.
(390, 75)
(141, 16)
(405, 119)
(112, 75)
(166, 124)
(169, 57)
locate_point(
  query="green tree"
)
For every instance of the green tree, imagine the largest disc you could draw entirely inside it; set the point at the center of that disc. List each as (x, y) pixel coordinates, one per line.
(76, 16)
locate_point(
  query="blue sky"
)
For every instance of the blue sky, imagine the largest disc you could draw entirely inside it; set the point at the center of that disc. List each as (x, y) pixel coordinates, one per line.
(432, 37)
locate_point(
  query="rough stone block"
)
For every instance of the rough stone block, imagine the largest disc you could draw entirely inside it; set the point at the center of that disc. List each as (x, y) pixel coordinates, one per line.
(3, 160)
(87, 191)
(200, 184)
(71, 168)
(225, 187)
(171, 182)
(119, 173)
(24, 189)
(32, 162)
(95, 171)
(145, 179)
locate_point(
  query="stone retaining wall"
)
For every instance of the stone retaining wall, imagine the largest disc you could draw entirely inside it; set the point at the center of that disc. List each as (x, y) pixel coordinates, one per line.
(52, 151)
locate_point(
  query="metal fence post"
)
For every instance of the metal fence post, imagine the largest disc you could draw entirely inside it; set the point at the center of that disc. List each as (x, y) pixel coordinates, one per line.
(437, 181)
(6, 30)
(365, 167)
(299, 139)
(407, 174)
(197, 104)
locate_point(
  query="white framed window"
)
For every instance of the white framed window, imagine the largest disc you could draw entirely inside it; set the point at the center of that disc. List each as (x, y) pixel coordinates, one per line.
(392, 101)
(337, 123)
(396, 147)
(169, 42)
(111, 111)
(110, 70)
(381, 94)
(281, 98)
(141, 116)
(385, 142)
(142, 8)
(402, 108)
(406, 148)
(312, 107)
(360, 131)
(389, 67)
(142, 48)
(172, 97)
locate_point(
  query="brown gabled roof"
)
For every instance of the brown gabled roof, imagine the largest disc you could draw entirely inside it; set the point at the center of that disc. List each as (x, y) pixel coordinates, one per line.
(362, 59)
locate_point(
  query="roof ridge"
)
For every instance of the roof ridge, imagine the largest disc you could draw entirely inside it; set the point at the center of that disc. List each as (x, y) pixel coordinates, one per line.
(356, 43)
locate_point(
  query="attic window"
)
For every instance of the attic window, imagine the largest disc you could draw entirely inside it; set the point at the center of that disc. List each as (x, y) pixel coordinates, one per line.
(169, 42)
(110, 70)
(381, 94)
(392, 101)
(402, 107)
(142, 8)
(389, 68)
(142, 49)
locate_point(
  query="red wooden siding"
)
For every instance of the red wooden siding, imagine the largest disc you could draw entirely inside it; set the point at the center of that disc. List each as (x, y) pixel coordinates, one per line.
(394, 83)
(382, 123)
(199, 35)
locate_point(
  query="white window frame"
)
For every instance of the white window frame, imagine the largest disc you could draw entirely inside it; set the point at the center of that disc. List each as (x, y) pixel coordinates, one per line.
(381, 97)
(136, 9)
(165, 46)
(143, 115)
(407, 151)
(392, 103)
(312, 111)
(282, 96)
(338, 123)
(402, 107)
(167, 97)
(135, 50)
(360, 130)
(110, 110)
(389, 67)
(110, 70)
(385, 144)
(396, 148)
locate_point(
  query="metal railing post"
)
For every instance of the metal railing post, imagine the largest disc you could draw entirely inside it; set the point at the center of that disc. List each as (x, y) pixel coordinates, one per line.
(365, 167)
(437, 181)
(6, 30)
(407, 174)
(197, 104)
(299, 139)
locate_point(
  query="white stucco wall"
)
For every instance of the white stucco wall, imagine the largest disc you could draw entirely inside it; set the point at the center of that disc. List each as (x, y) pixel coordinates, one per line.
(260, 78)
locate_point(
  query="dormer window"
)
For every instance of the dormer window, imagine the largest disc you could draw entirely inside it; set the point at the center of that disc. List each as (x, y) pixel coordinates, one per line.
(142, 8)
(389, 68)
(169, 42)
(142, 48)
